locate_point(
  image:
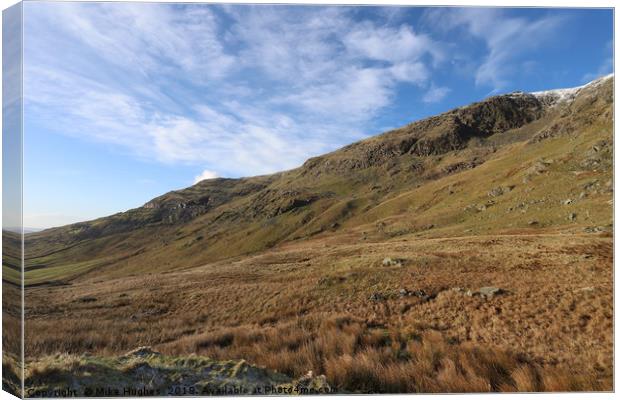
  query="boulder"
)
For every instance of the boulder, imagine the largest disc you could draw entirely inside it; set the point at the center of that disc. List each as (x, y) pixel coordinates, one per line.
(489, 291)
(499, 191)
(539, 167)
(390, 262)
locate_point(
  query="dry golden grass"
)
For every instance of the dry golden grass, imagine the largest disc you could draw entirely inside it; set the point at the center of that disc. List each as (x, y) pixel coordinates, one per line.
(306, 306)
(307, 289)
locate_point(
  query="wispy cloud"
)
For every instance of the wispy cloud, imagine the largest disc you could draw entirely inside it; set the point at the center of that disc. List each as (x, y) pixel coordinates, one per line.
(240, 90)
(506, 38)
(403, 44)
(322, 58)
(435, 94)
(235, 89)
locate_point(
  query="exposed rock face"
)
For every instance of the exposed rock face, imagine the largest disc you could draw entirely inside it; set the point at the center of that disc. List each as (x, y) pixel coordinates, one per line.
(273, 202)
(179, 210)
(434, 136)
(187, 204)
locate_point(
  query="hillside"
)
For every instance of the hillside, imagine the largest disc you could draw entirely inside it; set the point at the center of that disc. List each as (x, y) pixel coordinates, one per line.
(467, 252)
(364, 183)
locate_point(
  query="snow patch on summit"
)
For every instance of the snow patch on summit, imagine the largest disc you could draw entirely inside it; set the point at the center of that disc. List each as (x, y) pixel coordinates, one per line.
(568, 94)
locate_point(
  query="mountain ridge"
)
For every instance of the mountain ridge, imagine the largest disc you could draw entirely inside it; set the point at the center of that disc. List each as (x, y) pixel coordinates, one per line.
(472, 128)
(325, 191)
(486, 265)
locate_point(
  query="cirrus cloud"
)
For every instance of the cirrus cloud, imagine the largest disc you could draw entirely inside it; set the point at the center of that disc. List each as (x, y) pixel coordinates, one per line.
(506, 37)
(435, 94)
(232, 88)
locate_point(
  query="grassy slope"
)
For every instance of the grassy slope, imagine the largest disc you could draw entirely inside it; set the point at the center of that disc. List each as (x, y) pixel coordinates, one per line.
(307, 305)
(389, 199)
(303, 299)
(444, 202)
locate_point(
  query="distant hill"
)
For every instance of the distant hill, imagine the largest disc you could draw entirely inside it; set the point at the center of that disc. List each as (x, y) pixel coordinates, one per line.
(18, 229)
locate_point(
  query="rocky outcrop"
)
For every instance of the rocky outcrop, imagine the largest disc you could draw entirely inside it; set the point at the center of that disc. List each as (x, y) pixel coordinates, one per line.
(144, 372)
(175, 207)
(273, 202)
(184, 205)
(432, 136)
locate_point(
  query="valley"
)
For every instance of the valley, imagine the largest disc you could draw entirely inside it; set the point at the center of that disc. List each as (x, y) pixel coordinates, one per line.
(467, 252)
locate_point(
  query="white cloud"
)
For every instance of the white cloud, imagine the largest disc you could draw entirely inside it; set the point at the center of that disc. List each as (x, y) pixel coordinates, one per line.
(176, 84)
(322, 58)
(414, 72)
(148, 37)
(290, 44)
(435, 94)
(206, 174)
(389, 44)
(360, 93)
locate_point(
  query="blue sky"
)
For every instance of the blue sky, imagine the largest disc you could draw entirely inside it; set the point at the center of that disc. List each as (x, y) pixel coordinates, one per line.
(126, 101)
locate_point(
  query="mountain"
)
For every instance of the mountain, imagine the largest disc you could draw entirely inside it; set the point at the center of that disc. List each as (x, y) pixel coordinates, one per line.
(373, 181)
(466, 252)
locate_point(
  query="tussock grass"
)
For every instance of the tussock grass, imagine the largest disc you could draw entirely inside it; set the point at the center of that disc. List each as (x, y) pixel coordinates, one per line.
(357, 358)
(306, 288)
(277, 311)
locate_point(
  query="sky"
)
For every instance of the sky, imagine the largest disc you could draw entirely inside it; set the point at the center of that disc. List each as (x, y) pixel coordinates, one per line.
(126, 101)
